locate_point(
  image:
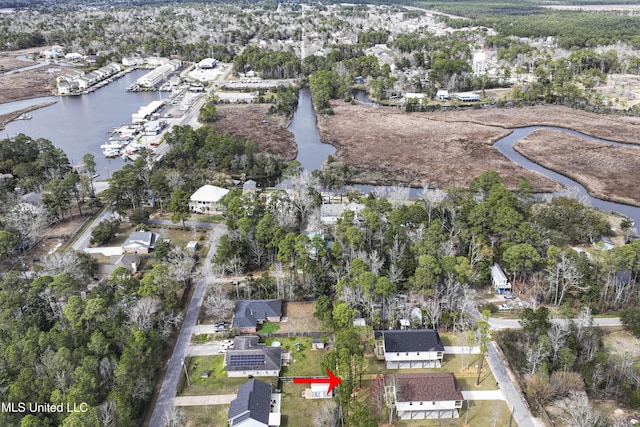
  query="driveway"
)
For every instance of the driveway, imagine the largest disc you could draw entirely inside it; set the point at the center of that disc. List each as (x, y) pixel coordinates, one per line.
(218, 399)
(211, 349)
(483, 395)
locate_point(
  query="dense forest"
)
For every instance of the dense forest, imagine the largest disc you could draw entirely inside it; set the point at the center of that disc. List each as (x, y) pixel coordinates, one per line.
(440, 249)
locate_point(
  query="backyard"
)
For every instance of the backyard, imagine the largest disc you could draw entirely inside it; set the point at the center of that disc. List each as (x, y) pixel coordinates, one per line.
(217, 382)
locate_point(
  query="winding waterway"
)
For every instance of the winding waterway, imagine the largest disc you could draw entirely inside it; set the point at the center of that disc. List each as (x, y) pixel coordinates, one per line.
(312, 152)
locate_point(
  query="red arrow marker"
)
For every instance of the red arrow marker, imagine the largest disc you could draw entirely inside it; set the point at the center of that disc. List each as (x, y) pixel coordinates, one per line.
(332, 381)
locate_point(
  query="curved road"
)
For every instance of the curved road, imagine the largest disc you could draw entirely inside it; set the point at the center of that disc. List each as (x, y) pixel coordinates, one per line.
(169, 388)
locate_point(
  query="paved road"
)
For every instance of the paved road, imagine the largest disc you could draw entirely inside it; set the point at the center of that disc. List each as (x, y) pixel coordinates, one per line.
(175, 369)
(514, 399)
(83, 241)
(218, 399)
(601, 322)
(188, 224)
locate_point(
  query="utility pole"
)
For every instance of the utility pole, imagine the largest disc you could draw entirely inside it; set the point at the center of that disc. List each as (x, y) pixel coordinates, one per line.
(211, 41)
(186, 374)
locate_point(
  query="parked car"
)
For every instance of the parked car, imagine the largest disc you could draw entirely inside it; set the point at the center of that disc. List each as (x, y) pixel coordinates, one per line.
(505, 307)
(509, 296)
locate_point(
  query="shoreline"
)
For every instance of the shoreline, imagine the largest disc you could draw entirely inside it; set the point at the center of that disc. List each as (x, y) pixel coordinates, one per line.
(9, 117)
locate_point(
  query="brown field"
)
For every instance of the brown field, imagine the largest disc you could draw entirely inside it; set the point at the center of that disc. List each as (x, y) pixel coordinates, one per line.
(300, 317)
(604, 169)
(28, 84)
(251, 121)
(9, 62)
(445, 149)
(419, 148)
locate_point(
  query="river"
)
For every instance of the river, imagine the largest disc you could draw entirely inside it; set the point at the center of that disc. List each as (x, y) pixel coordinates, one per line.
(80, 124)
(312, 152)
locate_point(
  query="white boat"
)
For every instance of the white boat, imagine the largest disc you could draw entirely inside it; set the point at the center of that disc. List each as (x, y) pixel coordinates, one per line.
(111, 146)
(24, 116)
(111, 152)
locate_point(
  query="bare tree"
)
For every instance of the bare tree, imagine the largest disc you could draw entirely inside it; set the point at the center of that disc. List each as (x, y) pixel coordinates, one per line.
(432, 312)
(278, 274)
(396, 250)
(107, 368)
(395, 274)
(175, 417)
(558, 333)
(217, 304)
(398, 195)
(564, 278)
(30, 220)
(141, 389)
(578, 412)
(180, 264)
(536, 355)
(375, 262)
(582, 321)
(142, 312)
(167, 323)
(62, 262)
(107, 414)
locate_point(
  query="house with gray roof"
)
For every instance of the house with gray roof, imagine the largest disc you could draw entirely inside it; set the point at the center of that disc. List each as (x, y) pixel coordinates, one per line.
(249, 357)
(405, 349)
(425, 395)
(254, 406)
(251, 313)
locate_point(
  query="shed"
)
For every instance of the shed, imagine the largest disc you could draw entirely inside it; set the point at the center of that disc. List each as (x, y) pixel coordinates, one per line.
(192, 247)
(317, 344)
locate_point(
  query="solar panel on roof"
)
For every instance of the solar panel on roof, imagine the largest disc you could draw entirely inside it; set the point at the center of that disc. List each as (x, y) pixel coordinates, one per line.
(239, 360)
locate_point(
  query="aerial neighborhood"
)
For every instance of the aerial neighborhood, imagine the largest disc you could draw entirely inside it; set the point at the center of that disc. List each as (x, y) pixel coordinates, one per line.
(264, 214)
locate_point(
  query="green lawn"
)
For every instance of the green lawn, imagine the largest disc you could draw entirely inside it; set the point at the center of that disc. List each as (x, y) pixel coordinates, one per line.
(305, 362)
(206, 416)
(487, 413)
(268, 328)
(296, 410)
(217, 382)
(451, 363)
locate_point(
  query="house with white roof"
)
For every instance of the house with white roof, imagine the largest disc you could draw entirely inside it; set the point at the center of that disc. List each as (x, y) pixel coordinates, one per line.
(207, 198)
(499, 279)
(140, 242)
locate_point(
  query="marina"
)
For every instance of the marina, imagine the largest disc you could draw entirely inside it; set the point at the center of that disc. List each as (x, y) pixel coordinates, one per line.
(82, 124)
